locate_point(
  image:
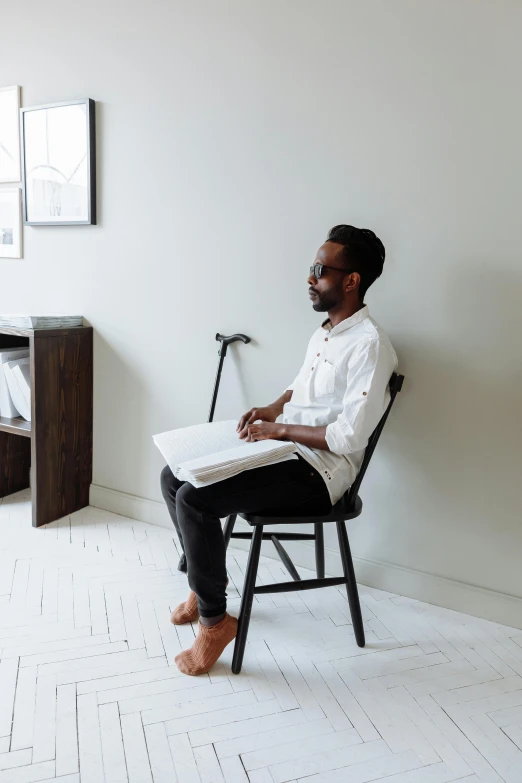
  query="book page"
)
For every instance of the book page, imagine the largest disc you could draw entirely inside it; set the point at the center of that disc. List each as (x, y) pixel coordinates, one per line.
(188, 443)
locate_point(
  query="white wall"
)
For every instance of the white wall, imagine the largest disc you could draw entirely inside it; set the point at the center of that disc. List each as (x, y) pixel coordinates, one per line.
(232, 135)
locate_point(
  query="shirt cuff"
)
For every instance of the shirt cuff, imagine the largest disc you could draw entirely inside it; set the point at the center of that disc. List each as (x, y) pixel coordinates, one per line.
(335, 439)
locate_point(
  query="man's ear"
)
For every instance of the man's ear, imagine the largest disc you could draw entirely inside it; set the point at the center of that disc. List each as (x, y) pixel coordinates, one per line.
(352, 282)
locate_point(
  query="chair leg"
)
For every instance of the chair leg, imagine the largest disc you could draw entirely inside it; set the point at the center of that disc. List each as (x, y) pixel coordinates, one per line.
(286, 559)
(351, 584)
(247, 599)
(228, 528)
(319, 549)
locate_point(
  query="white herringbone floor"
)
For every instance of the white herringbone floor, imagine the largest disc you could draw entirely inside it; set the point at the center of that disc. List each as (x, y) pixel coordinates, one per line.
(89, 691)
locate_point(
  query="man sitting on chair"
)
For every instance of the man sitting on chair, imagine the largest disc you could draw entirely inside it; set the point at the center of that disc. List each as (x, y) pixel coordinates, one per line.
(329, 412)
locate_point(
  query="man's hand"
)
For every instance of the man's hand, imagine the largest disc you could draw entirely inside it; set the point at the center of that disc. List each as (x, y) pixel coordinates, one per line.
(268, 413)
(263, 430)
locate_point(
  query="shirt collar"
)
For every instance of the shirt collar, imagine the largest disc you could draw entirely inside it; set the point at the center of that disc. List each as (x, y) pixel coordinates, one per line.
(354, 319)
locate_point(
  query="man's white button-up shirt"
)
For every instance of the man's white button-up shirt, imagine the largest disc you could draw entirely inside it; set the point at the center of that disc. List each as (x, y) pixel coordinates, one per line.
(343, 385)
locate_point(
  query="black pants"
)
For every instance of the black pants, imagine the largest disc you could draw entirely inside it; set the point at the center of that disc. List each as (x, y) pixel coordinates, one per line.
(293, 486)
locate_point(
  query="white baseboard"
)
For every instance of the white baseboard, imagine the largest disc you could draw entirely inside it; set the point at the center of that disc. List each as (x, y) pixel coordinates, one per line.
(132, 506)
(448, 593)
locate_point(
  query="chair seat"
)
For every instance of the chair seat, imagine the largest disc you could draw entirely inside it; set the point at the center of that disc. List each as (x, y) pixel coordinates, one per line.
(342, 511)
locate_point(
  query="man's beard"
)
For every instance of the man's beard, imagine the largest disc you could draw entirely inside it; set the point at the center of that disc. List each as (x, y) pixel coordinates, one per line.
(326, 301)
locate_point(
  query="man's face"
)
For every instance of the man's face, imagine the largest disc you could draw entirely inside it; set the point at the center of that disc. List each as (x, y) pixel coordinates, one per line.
(328, 291)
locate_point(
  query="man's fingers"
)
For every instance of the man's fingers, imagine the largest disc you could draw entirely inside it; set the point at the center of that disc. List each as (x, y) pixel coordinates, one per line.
(251, 420)
(247, 427)
(253, 415)
(246, 431)
(243, 420)
(248, 418)
(255, 433)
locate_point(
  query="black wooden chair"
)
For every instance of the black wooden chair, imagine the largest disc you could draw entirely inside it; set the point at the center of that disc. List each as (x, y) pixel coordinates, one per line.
(348, 507)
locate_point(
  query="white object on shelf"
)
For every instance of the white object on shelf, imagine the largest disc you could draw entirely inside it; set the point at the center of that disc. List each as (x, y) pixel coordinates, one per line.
(18, 377)
(206, 453)
(7, 408)
(41, 321)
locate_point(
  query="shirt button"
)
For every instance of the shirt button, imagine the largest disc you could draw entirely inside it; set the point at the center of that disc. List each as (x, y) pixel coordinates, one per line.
(312, 368)
(326, 339)
(318, 354)
(364, 394)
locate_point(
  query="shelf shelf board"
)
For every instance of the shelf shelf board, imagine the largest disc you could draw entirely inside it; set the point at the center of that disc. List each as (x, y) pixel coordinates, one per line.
(14, 331)
(17, 426)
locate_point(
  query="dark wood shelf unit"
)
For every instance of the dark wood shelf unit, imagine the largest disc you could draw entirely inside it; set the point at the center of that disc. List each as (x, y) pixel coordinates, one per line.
(56, 445)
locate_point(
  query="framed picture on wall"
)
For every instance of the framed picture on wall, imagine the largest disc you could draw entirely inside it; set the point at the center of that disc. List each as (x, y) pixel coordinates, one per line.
(59, 164)
(10, 134)
(10, 223)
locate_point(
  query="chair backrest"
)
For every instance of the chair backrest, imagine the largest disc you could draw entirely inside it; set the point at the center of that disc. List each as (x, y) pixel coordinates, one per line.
(396, 382)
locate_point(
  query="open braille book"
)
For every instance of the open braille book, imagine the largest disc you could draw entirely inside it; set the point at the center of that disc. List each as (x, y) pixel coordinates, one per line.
(206, 453)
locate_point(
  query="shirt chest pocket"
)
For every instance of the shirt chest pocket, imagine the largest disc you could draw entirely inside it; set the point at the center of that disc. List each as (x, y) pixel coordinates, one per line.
(324, 379)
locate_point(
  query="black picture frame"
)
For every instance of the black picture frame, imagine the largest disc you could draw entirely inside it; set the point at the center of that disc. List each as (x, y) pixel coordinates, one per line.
(90, 114)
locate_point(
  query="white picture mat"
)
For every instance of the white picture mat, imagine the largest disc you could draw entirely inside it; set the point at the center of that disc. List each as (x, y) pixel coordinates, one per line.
(10, 134)
(10, 223)
(56, 144)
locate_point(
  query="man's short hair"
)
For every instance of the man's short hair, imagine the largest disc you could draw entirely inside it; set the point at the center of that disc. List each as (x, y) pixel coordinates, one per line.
(363, 252)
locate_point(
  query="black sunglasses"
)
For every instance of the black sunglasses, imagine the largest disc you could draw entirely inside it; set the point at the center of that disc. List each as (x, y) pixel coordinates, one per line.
(317, 270)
